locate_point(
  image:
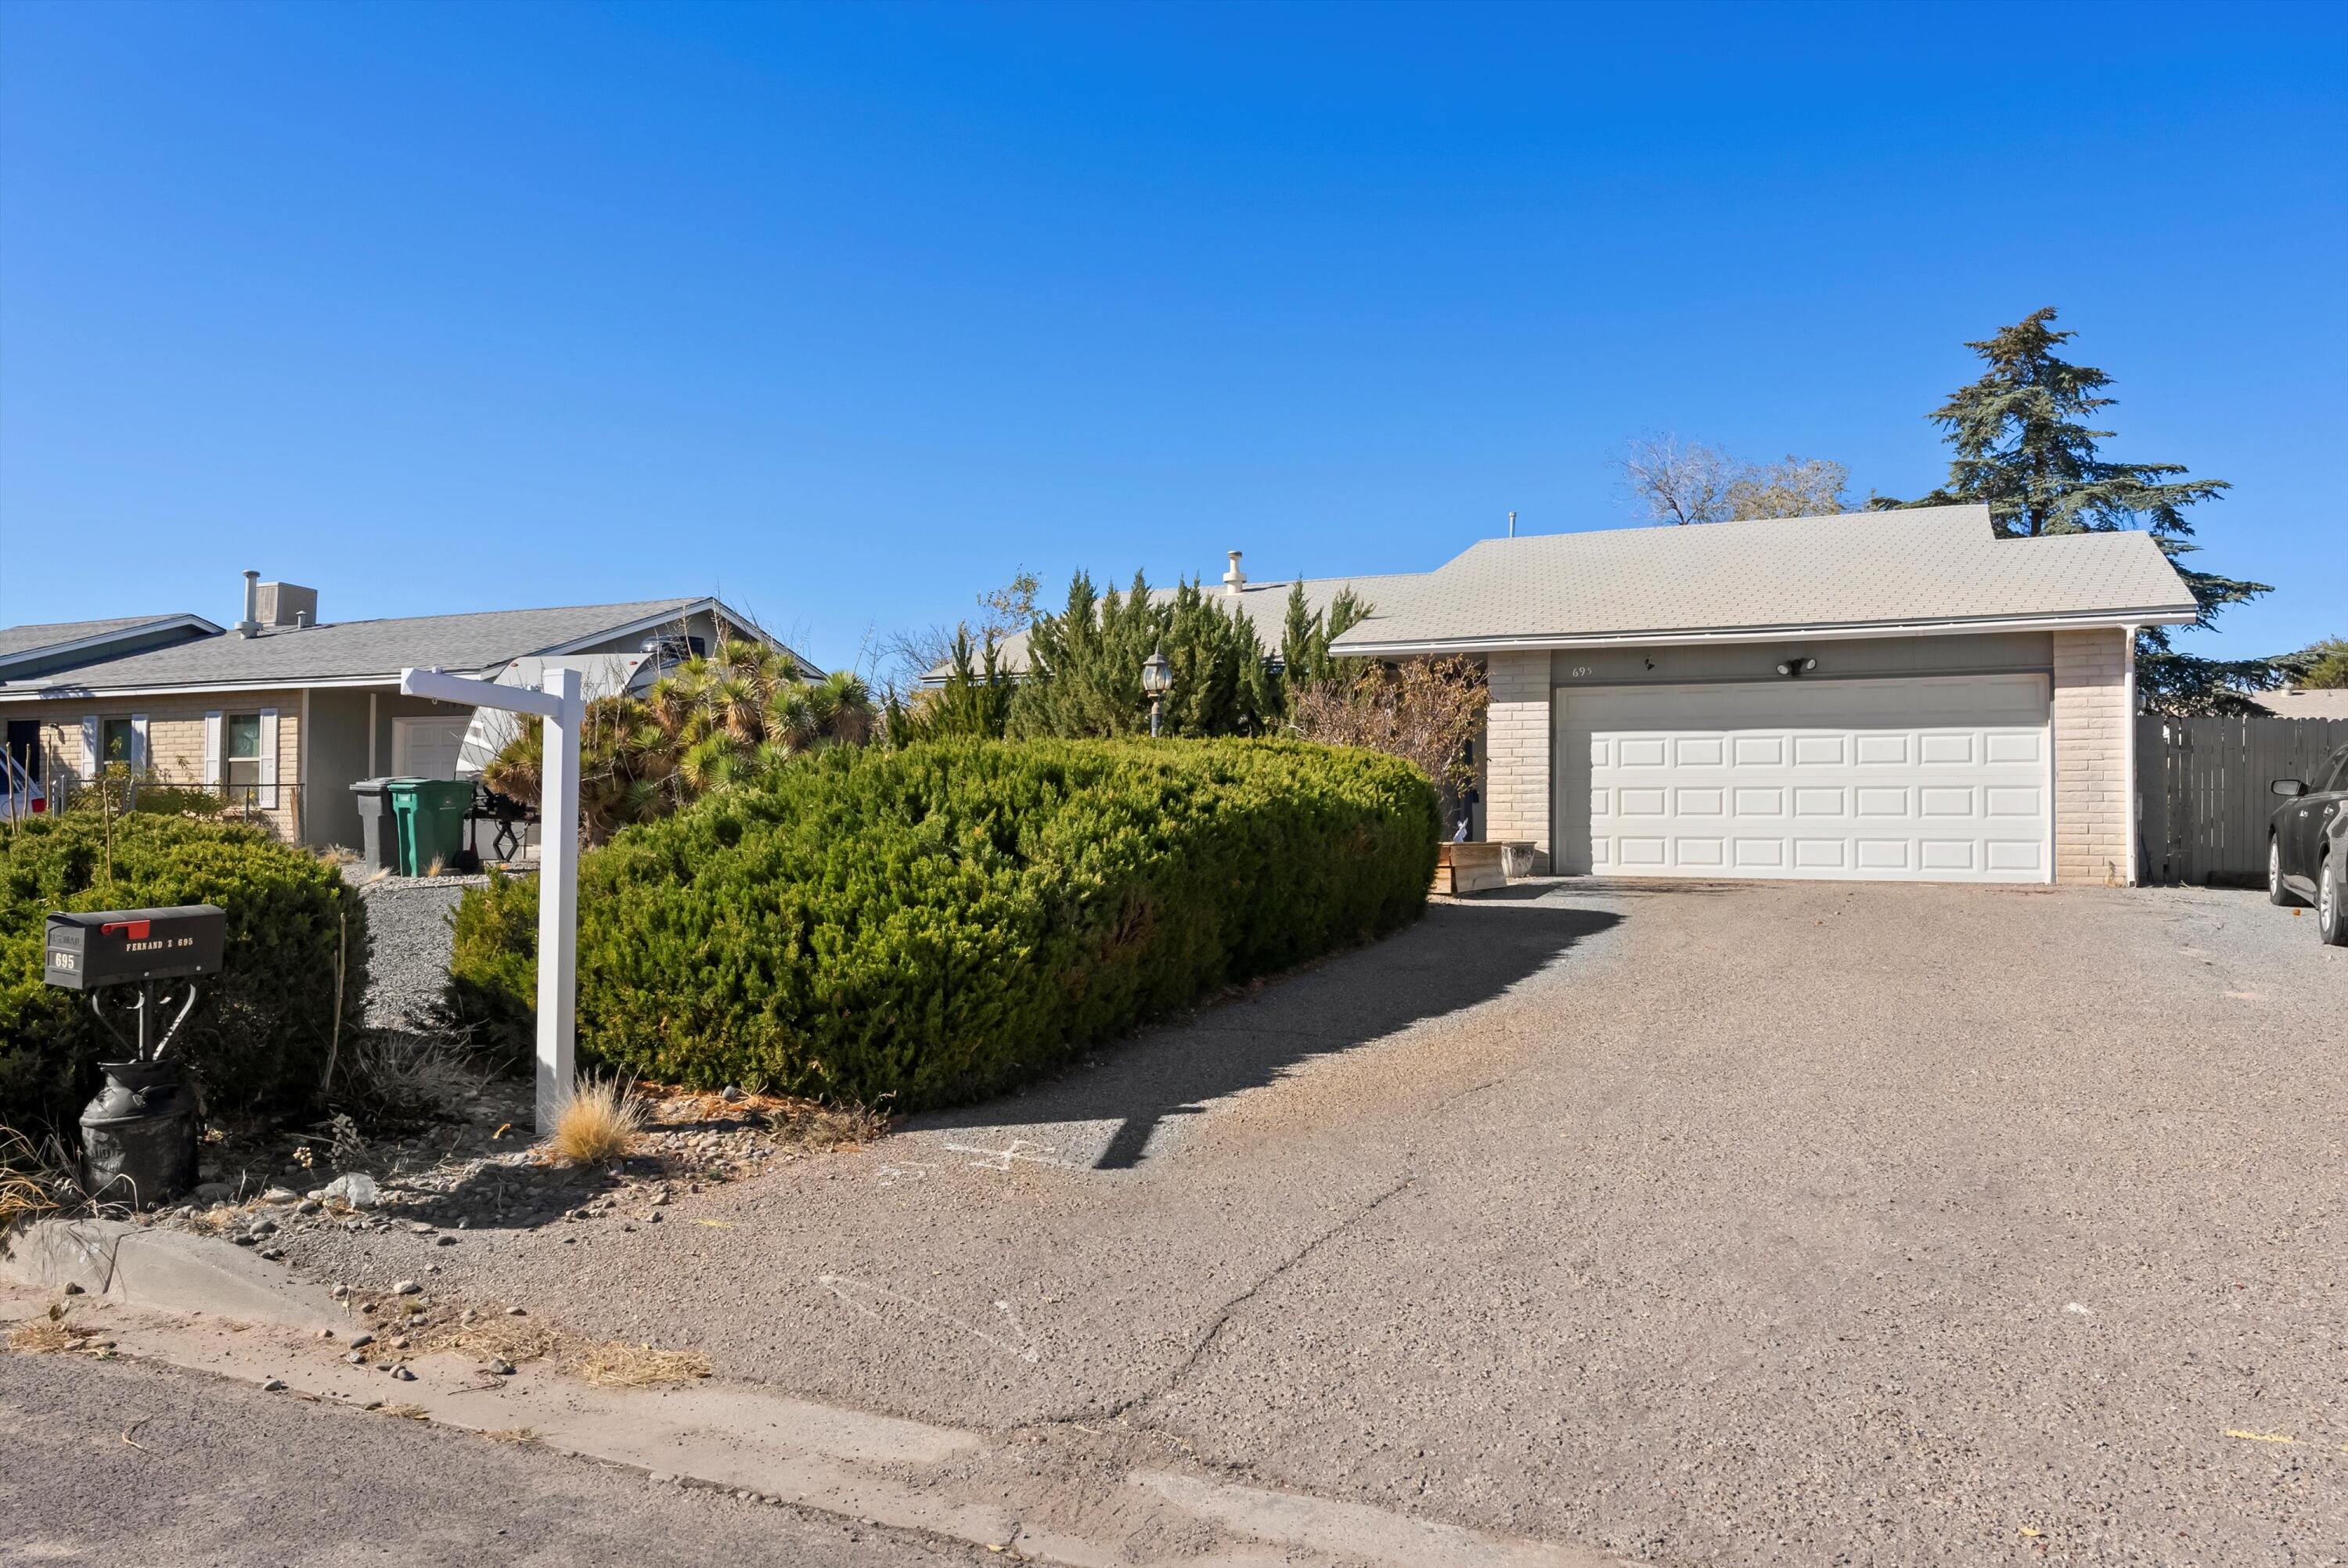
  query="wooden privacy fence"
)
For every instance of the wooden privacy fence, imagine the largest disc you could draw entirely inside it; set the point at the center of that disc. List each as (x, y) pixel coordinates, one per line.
(2204, 789)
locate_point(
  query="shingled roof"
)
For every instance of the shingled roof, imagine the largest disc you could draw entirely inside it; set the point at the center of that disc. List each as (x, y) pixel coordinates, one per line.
(1931, 568)
(357, 651)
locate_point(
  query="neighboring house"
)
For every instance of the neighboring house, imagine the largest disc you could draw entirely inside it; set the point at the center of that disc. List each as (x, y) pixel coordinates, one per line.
(2304, 702)
(283, 712)
(1887, 696)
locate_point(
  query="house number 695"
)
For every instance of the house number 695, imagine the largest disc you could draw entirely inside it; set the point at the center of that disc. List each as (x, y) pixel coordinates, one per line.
(1580, 670)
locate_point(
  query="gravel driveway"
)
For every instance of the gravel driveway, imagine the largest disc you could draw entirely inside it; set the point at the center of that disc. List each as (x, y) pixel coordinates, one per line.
(1784, 1223)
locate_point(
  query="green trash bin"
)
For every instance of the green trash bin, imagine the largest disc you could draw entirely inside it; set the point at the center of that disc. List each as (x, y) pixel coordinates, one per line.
(431, 817)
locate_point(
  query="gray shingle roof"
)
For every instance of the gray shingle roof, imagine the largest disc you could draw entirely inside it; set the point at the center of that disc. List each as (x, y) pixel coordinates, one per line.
(1264, 603)
(353, 649)
(2304, 702)
(1932, 565)
(21, 640)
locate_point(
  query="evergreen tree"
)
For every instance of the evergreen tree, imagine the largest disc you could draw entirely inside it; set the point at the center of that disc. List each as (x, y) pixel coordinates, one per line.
(1084, 667)
(2025, 449)
(974, 704)
(1305, 635)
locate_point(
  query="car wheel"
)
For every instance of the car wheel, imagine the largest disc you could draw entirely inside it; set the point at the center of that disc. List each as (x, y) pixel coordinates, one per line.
(2276, 892)
(2331, 900)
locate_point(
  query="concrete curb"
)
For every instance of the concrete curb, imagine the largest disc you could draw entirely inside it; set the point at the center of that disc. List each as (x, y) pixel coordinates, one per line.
(165, 1271)
(908, 1475)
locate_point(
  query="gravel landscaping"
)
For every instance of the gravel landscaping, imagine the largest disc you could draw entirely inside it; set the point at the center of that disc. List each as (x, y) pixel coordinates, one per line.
(407, 965)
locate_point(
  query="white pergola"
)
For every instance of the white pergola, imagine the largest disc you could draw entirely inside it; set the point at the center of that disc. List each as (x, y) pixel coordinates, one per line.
(559, 706)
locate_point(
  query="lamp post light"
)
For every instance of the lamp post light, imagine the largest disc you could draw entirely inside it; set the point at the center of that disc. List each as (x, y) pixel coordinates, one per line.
(1156, 679)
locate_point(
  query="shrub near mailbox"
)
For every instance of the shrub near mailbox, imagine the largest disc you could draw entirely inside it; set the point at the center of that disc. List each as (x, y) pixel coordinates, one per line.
(129, 947)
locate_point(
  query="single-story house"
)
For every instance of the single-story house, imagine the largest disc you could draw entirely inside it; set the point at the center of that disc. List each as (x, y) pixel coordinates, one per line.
(1885, 696)
(1881, 696)
(285, 711)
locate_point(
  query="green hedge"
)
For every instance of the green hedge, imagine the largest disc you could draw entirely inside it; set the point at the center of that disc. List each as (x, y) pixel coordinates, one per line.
(258, 1039)
(937, 923)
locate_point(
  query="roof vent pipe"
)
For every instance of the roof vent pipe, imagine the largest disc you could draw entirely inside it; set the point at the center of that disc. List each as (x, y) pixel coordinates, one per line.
(1234, 580)
(250, 625)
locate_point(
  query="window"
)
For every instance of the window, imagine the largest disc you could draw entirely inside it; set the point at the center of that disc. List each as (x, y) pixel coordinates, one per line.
(2334, 776)
(242, 743)
(114, 741)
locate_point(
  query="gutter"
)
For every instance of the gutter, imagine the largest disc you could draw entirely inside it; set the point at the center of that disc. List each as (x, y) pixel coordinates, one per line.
(196, 689)
(1537, 642)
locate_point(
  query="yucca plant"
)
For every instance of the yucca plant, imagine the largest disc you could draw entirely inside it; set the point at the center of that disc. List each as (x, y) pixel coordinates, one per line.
(718, 722)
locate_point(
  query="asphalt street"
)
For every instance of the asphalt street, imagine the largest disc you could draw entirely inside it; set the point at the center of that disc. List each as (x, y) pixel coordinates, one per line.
(1754, 1223)
(115, 1463)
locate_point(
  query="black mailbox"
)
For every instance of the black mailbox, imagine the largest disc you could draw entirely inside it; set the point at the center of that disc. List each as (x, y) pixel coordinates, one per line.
(129, 947)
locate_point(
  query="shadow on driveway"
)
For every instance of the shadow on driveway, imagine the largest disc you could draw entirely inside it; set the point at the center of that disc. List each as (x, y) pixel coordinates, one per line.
(1459, 956)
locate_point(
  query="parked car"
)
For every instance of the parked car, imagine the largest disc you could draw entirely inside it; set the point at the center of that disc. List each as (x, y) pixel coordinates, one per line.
(2307, 845)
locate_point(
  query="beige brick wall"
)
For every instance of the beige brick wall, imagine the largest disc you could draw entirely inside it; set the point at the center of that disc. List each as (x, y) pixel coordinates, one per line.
(175, 741)
(1515, 786)
(2091, 733)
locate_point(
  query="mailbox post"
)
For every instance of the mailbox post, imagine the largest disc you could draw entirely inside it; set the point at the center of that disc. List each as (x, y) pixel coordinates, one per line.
(138, 1136)
(559, 707)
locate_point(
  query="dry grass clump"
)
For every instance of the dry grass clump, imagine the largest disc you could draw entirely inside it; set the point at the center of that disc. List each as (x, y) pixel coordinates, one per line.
(515, 1339)
(412, 1074)
(34, 1179)
(598, 1124)
(619, 1366)
(46, 1336)
(817, 1126)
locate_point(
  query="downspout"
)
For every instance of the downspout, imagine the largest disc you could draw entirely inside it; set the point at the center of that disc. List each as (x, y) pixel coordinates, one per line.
(2128, 753)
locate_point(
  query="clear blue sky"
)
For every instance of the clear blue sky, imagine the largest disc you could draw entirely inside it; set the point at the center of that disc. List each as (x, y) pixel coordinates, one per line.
(845, 313)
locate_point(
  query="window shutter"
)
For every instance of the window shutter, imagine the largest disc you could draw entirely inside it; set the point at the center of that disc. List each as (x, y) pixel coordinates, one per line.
(268, 759)
(138, 741)
(89, 748)
(215, 748)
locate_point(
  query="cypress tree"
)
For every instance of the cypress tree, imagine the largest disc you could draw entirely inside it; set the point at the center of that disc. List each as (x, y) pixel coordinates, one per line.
(1084, 667)
(2025, 449)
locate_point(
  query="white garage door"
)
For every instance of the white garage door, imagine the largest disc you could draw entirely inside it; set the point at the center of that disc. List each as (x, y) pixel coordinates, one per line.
(1909, 780)
(427, 748)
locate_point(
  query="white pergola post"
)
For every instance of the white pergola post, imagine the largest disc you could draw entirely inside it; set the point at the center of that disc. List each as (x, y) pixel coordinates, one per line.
(559, 707)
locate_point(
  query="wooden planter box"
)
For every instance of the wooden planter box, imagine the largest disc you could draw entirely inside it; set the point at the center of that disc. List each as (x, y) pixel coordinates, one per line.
(1470, 868)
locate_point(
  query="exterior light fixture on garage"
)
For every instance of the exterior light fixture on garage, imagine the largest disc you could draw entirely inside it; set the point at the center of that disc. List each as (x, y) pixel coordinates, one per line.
(1794, 669)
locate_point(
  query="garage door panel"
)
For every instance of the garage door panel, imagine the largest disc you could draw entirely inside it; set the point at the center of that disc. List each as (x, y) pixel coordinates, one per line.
(1944, 800)
(2014, 801)
(1933, 778)
(1822, 751)
(1818, 800)
(1882, 800)
(1632, 851)
(1641, 751)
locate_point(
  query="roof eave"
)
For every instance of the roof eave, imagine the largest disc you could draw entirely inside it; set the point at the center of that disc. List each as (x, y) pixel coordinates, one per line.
(100, 639)
(66, 693)
(2157, 615)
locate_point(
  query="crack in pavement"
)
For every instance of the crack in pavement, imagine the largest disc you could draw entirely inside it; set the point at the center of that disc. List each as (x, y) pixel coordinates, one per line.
(1224, 1314)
